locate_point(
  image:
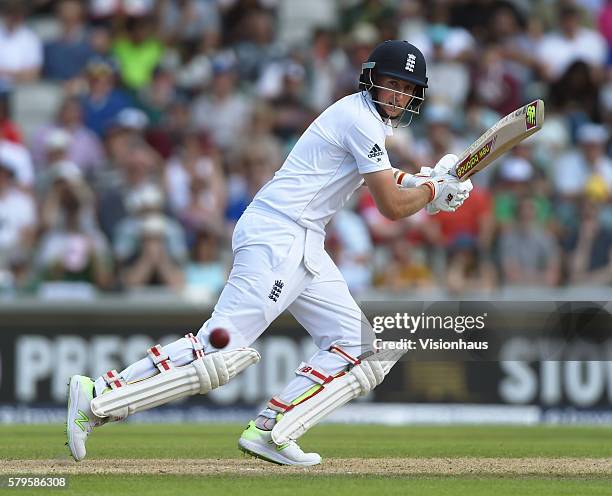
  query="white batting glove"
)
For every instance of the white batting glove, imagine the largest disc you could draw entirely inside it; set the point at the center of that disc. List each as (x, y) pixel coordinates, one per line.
(444, 165)
(448, 193)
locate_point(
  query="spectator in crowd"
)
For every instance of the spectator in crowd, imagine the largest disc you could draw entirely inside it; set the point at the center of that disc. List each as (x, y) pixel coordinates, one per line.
(18, 156)
(456, 42)
(65, 57)
(529, 255)
(476, 224)
(188, 21)
(72, 249)
(407, 269)
(495, 84)
(513, 181)
(21, 56)
(103, 99)
(206, 272)
(325, 62)
(559, 49)
(223, 111)
(468, 268)
(156, 98)
(590, 248)
(577, 95)
(361, 41)
(134, 165)
(138, 52)
(150, 246)
(106, 10)
(604, 23)
(18, 221)
(375, 11)
(196, 186)
(101, 41)
(440, 139)
(247, 173)
(292, 115)
(83, 147)
(166, 136)
(9, 129)
(261, 131)
(574, 169)
(442, 68)
(55, 152)
(257, 45)
(507, 30)
(351, 248)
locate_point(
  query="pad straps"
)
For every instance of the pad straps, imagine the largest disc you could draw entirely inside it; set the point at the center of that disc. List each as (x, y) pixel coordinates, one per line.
(320, 378)
(349, 358)
(113, 379)
(307, 370)
(160, 358)
(198, 349)
(277, 405)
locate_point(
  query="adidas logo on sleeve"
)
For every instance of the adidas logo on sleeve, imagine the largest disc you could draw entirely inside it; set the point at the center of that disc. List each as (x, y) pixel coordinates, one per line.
(375, 152)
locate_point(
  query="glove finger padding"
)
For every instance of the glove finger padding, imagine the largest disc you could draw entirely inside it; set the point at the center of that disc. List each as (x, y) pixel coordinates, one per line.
(425, 171)
(444, 165)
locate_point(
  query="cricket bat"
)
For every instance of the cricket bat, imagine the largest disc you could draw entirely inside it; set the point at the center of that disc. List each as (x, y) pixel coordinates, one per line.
(497, 140)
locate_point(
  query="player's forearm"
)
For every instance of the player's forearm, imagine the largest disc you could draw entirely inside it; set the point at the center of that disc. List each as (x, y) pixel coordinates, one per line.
(407, 201)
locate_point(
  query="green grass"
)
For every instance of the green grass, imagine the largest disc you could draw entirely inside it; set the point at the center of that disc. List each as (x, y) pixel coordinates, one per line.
(219, 441)
(345, 441)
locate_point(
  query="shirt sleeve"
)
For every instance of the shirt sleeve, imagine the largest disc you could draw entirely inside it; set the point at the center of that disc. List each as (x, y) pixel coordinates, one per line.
(367, 145)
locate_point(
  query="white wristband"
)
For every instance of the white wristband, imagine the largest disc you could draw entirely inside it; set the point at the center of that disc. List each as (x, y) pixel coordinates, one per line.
(404, 179)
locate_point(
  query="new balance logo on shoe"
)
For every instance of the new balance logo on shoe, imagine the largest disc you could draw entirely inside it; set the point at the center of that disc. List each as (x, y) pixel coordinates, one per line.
(276, 291)
(376, 152)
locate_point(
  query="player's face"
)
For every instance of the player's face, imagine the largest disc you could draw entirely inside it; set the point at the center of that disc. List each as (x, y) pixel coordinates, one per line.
(396, 97)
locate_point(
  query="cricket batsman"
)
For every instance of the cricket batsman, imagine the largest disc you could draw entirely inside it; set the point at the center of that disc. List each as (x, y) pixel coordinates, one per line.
(280, 264)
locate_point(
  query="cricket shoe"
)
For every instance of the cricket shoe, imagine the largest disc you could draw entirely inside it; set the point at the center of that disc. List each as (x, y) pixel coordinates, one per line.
(80, 420)
(258, 443)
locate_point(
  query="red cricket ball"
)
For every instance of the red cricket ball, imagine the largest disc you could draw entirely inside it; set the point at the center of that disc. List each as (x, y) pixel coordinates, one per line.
(219, 338)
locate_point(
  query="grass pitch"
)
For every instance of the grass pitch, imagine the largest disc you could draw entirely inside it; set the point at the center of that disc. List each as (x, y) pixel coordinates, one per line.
(203, 459)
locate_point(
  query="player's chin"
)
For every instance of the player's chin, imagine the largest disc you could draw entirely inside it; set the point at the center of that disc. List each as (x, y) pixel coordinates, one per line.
(392, 111)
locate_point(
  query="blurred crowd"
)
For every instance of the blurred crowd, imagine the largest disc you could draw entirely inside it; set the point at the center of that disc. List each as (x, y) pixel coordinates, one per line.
(169, 115)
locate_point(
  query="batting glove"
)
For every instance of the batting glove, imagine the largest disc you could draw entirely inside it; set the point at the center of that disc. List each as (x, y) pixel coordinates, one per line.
(448, 193)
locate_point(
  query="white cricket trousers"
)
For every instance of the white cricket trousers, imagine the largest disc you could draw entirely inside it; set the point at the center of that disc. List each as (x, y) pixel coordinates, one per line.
(278, 265)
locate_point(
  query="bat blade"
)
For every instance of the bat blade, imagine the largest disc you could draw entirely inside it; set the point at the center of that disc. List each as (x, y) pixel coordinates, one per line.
(498, 139)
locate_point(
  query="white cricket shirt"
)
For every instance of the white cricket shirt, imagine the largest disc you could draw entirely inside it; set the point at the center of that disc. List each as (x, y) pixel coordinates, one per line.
(325, 166)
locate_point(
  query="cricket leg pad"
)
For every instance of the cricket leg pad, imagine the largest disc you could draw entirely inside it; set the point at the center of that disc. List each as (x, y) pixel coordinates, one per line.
(172, 383)
(362, 377)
